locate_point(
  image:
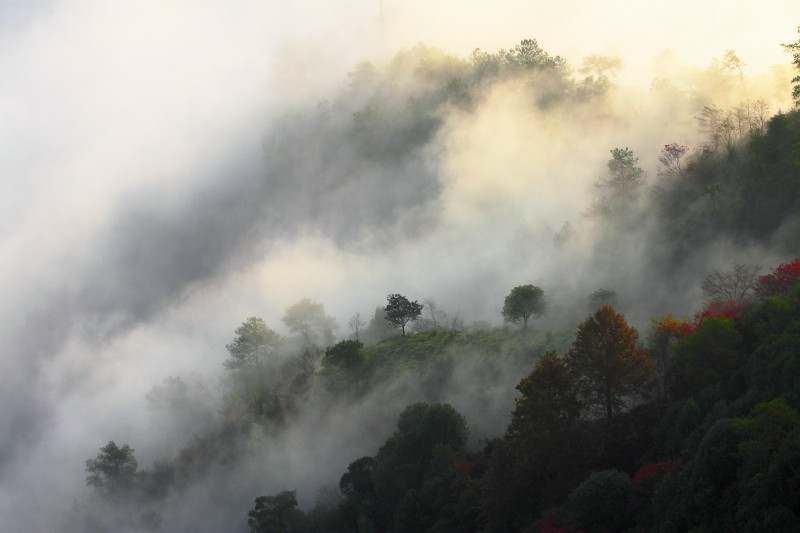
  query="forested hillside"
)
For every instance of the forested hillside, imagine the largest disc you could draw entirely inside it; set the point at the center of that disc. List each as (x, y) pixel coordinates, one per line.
(571, 398)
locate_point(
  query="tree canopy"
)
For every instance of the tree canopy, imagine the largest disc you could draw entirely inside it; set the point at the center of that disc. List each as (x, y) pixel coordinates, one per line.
(253, 342)
(400, 311)
(610, 364)
(308, 319)
(276, 514)
(522, 303)
(114, 468)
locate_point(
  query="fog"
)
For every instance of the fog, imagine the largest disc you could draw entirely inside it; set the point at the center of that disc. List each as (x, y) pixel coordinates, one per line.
(144, 213)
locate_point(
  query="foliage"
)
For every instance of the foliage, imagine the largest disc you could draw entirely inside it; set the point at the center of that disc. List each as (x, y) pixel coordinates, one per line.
(346, 355)
(602, 503)
(253, 342)
(345, 362)
(308, 319)
(665, 332)
(794, 50)
(730, 309)
(602, 297)
(522, 303)
(623, 173)
(622, 183)
(276, 514)
(545, 451)
(400, 311)
(770, 452)
(395, 487)
(778, 282)
(114, 469)
(710, 357)
(747, 193)
(549, 400)
(611, 366)
(676, 328)
(648, 475)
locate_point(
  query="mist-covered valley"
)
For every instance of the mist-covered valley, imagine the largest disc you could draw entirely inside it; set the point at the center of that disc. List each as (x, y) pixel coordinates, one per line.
(204, 209)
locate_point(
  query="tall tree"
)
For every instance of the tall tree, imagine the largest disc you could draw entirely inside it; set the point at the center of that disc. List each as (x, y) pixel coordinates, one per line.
(400, 311)
(254, 341)
(543, 455)
(356, 324)
(522, 303)
(114, 468)
(608, 361)
(549, 399)
(621, 183)
(624, 174)
(308, 319)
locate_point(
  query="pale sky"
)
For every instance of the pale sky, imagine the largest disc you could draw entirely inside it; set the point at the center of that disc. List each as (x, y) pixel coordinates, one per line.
(636, 30)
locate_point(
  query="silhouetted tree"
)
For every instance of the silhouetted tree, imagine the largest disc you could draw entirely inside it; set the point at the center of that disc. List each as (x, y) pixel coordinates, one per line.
(400, 311)
(276, 514)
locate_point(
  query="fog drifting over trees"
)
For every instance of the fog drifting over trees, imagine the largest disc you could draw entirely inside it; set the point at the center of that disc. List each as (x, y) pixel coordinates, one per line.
(172, 170)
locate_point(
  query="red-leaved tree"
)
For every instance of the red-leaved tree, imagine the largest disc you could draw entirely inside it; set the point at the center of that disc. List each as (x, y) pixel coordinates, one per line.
(780, 281)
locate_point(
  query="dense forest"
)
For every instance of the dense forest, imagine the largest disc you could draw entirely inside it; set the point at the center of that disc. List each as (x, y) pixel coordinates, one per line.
(585, 406)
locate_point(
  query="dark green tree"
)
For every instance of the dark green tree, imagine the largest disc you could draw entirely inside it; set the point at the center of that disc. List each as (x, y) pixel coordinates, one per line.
(387, 492)
(277, 514)
(253, 342)
(400, 311)
(549, 400)
(769, 475)
(710, 358)
(114, 469)
(544, 452)
(602, 503)
(344, 361)
(522, 303)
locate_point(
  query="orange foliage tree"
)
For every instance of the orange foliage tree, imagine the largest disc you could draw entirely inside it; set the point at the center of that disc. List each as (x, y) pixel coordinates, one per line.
(610, 365)
(665, 333)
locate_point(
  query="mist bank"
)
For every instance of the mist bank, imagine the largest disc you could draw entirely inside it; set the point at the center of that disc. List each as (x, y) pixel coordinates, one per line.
(437, 176)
